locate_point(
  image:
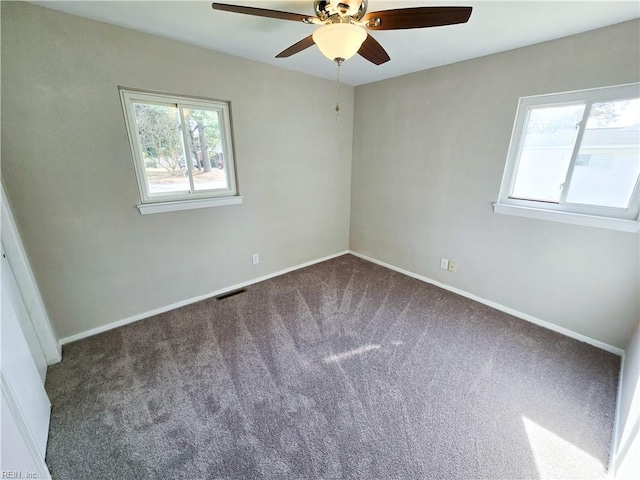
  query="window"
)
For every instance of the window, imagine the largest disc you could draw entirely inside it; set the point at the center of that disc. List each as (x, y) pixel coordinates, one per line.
(575, 157)
(181, 149)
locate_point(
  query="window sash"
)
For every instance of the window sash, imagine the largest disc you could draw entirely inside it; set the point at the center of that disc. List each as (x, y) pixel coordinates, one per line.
(584, 97)
(131, 97)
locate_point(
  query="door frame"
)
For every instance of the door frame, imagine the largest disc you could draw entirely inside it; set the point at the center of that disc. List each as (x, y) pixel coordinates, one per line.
(21, 267)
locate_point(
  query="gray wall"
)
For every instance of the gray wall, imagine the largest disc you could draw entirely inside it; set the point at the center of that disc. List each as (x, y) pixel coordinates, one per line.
(628, 413)
(68, 173)
(429, 152)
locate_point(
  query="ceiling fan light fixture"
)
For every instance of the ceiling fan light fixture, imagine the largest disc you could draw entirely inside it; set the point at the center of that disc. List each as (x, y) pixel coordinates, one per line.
(339, 40)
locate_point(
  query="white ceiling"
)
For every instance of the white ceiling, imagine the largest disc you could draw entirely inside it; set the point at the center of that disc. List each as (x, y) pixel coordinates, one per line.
(493, 27)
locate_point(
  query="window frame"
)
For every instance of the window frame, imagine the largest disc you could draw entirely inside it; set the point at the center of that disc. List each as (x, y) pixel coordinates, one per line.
(625, 219)
(150, 203)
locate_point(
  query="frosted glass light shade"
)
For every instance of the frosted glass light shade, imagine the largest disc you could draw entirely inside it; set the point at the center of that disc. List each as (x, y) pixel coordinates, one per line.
(339, 40)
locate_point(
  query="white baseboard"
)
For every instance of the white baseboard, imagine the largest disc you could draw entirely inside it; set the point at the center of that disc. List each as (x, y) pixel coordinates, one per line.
(497, 306)
(490, 303)
(166, 308)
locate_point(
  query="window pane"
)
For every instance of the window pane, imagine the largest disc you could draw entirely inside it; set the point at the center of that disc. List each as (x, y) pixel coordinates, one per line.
(608, 163)
(205, 138)
(162, 148)
(550, 135)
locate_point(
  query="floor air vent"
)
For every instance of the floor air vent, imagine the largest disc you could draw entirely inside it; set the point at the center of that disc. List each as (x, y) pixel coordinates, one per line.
(230, 294)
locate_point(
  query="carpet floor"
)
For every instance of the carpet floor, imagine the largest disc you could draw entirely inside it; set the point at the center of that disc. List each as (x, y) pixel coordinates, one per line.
(341, 370)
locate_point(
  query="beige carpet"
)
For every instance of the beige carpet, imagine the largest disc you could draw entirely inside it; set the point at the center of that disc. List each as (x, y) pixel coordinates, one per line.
(340, 370)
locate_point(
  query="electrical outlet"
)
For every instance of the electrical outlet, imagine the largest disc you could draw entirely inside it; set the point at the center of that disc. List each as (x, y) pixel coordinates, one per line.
(444, 264)
(453, 266)
(255, 259)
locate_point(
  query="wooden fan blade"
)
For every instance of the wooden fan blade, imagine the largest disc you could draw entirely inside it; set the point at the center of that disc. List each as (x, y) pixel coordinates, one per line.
(373, 51)
(419, 17)
(260, 12)
(297, 47)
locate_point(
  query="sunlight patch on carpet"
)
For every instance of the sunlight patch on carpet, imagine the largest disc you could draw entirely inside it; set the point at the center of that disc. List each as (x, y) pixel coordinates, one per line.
(351, 353)
(555, 456)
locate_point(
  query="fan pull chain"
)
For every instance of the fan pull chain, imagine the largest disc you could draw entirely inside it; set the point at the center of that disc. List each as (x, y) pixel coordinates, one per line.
(339, 63)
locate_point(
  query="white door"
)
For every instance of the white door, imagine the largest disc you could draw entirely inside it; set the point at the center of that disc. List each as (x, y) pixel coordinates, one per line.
(25, 405)
(18, 455)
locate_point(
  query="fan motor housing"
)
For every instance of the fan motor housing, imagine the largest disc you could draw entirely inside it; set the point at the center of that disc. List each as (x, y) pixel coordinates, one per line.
(325, 9)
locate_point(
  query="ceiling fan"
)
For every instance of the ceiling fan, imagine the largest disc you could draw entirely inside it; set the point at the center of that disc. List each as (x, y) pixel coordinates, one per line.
(344, 23)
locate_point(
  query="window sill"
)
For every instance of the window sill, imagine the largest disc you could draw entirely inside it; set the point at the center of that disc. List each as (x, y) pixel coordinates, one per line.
(631, 226)
(177, 205)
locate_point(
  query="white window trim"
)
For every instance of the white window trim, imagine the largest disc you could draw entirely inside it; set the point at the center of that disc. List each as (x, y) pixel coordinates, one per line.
(631, 226)
(176, 202)
(594, 216)
(161, 207)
